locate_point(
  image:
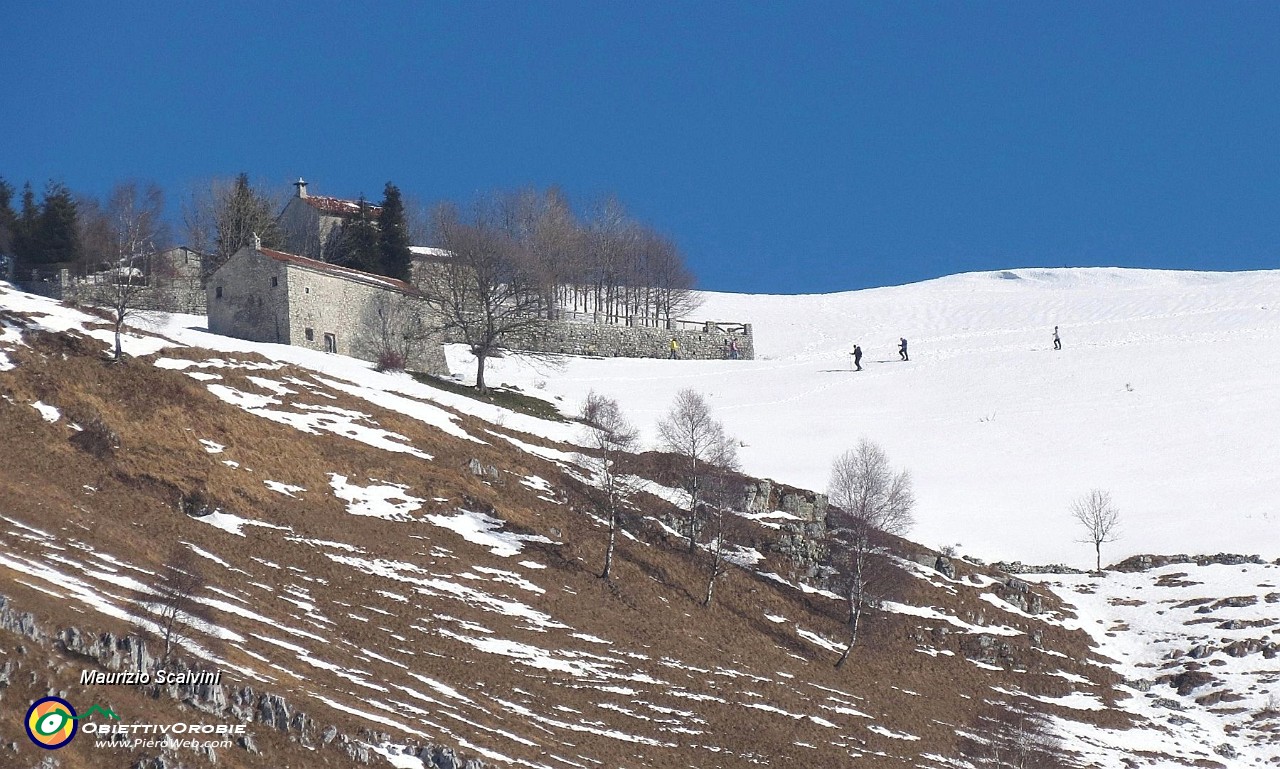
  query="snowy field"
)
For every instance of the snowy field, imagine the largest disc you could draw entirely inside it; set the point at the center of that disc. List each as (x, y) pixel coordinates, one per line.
(1165, 393)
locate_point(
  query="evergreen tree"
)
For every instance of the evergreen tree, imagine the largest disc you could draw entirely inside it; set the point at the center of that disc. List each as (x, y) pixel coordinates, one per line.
(393, 236)
(24, 233)
(357, 242)
(57, 238)
(239, 213)
(8, 219)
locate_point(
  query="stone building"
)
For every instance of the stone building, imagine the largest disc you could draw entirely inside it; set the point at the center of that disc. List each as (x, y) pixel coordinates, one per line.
(271, 296)
(310, 223)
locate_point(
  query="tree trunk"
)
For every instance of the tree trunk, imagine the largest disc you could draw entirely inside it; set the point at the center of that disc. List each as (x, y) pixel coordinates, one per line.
(480, 358)
(119, 351)
(608, 552)
(1097, 548)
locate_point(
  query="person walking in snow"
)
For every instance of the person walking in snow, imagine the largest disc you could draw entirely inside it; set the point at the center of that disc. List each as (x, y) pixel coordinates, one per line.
(1057, 343)
(857, 358)
(902, 348)
(675, 349)
(733, 349)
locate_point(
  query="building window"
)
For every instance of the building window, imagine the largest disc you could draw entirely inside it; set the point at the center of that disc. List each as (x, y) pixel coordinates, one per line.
(217, 292)
(274, 281)
(330, 343)
(306, 290)
(311, 334)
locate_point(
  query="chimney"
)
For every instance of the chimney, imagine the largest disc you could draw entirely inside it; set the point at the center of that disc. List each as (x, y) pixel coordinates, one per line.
(257, 242)
(301, 184)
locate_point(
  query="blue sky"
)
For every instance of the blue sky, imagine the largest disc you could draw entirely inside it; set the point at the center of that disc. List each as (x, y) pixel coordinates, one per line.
(788, 147)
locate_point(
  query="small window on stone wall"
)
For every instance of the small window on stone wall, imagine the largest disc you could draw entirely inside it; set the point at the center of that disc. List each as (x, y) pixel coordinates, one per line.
(217, 292)
(330, 343)
(307, 290)
(311, 335)
(274, 281)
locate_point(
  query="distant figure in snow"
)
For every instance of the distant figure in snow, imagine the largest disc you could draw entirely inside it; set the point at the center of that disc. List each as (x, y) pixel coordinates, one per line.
(857, 358)
(902, 348)
(733, 349)
(675, 349)
(1057, 343)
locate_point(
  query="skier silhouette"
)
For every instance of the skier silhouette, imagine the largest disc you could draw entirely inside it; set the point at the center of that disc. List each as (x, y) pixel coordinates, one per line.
(902, 348)
(1057, 343)
(857, 357)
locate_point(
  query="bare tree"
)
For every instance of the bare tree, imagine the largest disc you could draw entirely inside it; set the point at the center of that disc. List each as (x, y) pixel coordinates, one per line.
(122, 240)
(1010, 738)
(722, 490)
(175, 602)
(394, 331)
(700, 445)
(610, 436)
(485, 293)
(871, 501)
(1100, 519)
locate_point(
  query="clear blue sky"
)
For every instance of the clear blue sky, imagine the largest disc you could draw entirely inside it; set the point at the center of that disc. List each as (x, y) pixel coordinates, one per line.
(788, 147)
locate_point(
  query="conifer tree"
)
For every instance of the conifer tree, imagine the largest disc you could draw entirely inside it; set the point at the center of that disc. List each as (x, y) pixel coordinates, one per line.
(239, 214)
(357, 242)
(393, 236)
(57, 238)
(8, 218)
(25, 230)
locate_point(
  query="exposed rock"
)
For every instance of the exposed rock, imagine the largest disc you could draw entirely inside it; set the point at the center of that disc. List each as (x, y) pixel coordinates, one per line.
(944, 566)
(1225, 750)
(1188, 681)
(248, 744)
(328, 734)
(444, 758)
(1145, 562)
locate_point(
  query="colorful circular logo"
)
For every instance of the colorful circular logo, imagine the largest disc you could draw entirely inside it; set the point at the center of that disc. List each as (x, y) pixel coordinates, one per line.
(51, 723)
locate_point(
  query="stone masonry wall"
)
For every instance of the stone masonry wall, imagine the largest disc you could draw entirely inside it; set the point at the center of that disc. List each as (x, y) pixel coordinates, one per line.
(354, 313)
(706, 342)
(249, 306)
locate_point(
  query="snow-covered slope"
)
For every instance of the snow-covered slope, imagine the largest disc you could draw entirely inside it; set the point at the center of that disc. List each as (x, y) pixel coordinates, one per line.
(1165, 393)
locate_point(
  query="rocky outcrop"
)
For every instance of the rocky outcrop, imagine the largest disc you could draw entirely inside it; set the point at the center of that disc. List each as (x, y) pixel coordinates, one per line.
(1146, 562)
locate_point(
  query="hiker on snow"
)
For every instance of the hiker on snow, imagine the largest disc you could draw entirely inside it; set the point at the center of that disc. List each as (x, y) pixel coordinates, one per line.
(857, 358)
(733, 349)
(1057, 343)
(902, 348)
(675, 349)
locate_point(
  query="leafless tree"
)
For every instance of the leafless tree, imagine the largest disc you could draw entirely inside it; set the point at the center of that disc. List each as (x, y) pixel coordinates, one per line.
(175, 602)
(722, 491)
(485, 293)
(871, 501)
(394, 331)
(609, 436)
(1007, 737)
(700, 446)
(1099, 518)
(122, 239)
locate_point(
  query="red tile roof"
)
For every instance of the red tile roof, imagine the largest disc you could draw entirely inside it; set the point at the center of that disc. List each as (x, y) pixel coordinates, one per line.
(340, 207)
(368, 278)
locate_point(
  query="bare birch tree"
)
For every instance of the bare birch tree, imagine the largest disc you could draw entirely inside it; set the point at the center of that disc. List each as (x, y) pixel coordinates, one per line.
(700, 446)
(175, 602)
(723, 490)
(871, 501)
(610, 436)
(1100, 520)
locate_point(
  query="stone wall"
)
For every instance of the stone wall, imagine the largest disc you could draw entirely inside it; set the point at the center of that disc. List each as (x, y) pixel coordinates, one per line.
(708, 341)
(243, 302)
(363, 319)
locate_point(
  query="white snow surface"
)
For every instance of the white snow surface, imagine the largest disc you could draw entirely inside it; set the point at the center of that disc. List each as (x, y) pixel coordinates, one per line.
(1163, 394)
